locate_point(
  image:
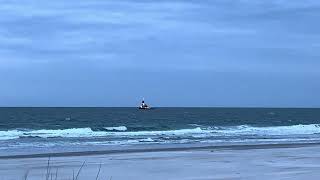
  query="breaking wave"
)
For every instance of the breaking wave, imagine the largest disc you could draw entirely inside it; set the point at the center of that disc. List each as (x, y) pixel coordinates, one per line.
(122, 131)
(118, 128)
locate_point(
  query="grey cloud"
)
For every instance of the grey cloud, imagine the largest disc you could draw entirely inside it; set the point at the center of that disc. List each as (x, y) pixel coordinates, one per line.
(180, 33)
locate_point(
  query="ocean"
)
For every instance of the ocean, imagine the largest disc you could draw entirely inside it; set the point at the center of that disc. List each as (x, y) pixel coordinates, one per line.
(30, 130)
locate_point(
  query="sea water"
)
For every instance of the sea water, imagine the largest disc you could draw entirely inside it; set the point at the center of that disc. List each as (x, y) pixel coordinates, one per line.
(70, 129)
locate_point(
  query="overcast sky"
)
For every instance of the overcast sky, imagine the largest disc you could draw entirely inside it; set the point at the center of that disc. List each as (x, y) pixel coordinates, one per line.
(173, 53)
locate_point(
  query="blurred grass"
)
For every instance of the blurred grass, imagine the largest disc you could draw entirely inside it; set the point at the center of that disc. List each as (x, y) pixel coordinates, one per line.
(55, 175)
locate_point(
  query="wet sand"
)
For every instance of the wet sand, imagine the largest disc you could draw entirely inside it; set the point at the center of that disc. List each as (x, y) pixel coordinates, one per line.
(287, 161)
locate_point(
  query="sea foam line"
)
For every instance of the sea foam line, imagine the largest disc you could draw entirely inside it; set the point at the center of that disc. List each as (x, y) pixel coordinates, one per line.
(195, 132)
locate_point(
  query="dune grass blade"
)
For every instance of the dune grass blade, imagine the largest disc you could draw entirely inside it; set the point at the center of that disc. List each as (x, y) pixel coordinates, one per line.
(26, 175)
(56, 177)
(48, 169)
(80, 170)
(98, 172)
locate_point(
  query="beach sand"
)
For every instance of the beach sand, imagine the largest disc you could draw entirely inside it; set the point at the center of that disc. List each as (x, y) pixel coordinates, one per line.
(232, 162)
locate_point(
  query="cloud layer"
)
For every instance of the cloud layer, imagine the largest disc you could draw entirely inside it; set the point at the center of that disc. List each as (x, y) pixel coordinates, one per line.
(211, 36)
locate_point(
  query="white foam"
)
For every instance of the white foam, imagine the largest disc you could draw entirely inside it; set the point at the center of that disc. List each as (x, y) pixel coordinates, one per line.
(10, 134)
(44, 133)
(274, 130)
(87, 132)
(154, 133)
(195, 132)
(146, 140)
(118, 128)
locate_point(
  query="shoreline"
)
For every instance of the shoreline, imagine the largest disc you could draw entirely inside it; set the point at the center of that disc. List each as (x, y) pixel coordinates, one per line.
(282, 161)
(161, 149)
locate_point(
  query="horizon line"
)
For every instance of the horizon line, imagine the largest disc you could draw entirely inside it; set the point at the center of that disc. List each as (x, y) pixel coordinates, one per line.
(156, 107)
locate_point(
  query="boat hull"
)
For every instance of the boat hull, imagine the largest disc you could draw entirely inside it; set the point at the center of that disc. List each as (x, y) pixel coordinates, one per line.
(144, 108)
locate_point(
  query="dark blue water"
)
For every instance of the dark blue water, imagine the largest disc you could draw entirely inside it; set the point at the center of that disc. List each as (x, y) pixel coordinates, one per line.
(73, 127)
(155, 119)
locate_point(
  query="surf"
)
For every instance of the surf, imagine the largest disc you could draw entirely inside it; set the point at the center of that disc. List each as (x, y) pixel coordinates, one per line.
(203, 131)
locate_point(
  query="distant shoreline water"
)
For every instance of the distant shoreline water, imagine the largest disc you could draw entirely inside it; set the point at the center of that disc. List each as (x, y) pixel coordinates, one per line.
(43, 128)
(160, 149)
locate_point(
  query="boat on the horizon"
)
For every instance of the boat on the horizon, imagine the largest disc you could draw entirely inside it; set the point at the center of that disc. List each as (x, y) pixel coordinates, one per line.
(144, 106)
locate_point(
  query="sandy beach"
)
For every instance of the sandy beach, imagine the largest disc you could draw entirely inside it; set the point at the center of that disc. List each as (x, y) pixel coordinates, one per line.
(230, 162)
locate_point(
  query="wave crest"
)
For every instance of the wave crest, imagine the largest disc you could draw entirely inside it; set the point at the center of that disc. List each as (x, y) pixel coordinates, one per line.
(121, 131)
(118, 128)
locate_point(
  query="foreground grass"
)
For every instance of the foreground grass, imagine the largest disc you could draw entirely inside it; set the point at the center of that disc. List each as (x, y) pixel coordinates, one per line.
(53, 174)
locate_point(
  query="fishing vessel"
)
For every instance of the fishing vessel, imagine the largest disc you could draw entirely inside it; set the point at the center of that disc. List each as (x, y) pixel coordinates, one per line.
(144, 105)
